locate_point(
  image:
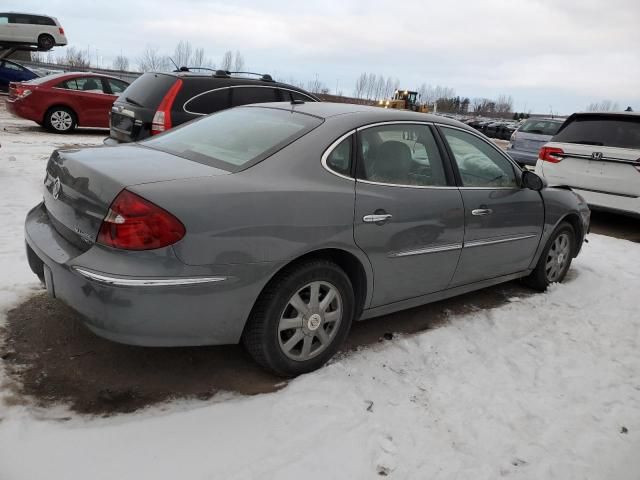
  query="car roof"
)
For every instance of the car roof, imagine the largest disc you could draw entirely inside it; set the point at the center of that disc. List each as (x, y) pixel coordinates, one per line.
(364, 113)
(55, 76)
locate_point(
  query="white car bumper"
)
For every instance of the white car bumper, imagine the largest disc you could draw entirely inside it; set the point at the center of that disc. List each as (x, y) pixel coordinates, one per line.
(606, 201)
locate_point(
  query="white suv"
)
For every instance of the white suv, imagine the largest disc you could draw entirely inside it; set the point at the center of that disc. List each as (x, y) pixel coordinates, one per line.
(598, 156)
(27, 29)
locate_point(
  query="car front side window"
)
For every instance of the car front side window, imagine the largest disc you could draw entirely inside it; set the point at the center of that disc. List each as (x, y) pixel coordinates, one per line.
(479, 164)
(401, 154)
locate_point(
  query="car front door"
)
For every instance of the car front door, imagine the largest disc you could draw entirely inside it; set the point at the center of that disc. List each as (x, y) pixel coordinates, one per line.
(409, 217)
(503, 221)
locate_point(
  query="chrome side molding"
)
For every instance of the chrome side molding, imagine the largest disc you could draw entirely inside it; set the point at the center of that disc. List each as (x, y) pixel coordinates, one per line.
(145, 282)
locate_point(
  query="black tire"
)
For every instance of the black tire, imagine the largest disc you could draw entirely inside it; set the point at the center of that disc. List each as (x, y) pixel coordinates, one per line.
(55, 120)
(46, 42)
(540, 278)
(262, 336)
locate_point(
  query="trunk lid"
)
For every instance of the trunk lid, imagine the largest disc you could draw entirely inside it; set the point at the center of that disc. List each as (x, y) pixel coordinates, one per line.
(80, 184)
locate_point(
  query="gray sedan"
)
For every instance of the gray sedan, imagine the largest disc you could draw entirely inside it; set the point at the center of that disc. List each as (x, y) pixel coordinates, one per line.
(277, 225)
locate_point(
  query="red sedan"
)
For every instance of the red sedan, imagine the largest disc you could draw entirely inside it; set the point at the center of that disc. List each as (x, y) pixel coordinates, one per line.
(65, 101)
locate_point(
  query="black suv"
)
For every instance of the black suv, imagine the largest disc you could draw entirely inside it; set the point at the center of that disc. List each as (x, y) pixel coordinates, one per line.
(155, 102)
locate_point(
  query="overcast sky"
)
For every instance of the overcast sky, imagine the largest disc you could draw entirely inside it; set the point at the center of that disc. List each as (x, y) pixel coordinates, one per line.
(547, 54)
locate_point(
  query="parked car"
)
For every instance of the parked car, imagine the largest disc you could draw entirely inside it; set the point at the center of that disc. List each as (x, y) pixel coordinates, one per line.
(277, 225)
(598, 156)
(156, 102)
(65, 101)
(527, 140)
(13, 72)
(27, 29)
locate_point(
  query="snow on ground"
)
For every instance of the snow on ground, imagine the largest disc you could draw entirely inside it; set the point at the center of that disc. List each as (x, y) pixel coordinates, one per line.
(538, 388)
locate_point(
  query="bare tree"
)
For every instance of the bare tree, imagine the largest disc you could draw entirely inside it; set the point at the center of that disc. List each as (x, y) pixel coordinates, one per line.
(74, 57)
(238, 64)
(198, 58)
(504, 104)
(227, 60)
(603, 106)
(152, 60)
(317, 86)
(121, 63)
(361, 84)
(182, 54)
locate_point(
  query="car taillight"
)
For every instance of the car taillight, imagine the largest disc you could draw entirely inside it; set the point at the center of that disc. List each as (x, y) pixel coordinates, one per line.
(61, 30)
(551, 154)
(162, 118)
(20, 92)
(134, 223)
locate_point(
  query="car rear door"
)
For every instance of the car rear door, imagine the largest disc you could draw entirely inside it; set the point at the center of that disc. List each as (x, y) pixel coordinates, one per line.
(92, 103)
(503, 221)
(409, 217)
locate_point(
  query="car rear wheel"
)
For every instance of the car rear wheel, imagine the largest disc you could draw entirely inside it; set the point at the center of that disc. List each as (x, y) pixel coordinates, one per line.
(555, 259)
(60, 120)
(301, 318)
(46, 42)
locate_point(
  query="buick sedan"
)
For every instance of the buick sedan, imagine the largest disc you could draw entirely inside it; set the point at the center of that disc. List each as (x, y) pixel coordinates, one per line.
(278, 225)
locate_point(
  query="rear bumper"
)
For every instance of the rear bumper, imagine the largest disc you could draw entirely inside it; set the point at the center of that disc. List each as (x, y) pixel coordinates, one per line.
(623, 204)
(200, 306)
(523, 157)
(23, 110)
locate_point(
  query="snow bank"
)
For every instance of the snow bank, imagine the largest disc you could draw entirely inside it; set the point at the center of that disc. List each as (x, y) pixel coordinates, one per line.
(538, 388)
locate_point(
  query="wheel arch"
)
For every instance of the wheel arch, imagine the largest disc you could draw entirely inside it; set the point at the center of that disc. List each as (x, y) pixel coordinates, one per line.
(61, 104)
(573, 219)
(354, 267)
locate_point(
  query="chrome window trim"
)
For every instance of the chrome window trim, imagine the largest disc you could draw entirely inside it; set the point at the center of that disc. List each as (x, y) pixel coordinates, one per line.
(403, 122)
(145, 282)
(421, 251)
(329, 151)
(434, 187)
(514, 164)
(274, 87)
(481, 243)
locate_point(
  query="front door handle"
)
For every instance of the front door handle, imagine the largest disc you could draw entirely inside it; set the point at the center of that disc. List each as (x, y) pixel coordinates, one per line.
(378, 218)
(481, 211)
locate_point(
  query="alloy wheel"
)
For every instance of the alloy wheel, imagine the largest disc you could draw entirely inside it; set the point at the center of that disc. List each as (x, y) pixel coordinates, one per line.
(61, 120)
(310, 321)
(558, 257)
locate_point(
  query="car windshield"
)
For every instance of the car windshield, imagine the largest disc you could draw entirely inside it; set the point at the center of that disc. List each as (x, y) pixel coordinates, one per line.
(541, 127)
(621, 132)
(46, 78)
(235, 139)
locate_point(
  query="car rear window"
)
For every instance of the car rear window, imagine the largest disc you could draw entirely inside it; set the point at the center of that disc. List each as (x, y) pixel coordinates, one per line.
(148, 89)
(540, 127)
(621, 132)
(235, 139)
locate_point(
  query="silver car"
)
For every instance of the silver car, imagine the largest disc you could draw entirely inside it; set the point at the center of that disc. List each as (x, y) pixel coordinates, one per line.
(277, 225)
(529, 137)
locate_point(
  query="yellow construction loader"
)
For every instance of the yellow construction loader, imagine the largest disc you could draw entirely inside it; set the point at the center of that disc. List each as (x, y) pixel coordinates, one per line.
(404, 100)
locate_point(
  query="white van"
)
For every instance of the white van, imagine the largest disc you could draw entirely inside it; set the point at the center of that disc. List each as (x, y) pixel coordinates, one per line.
(27, 29)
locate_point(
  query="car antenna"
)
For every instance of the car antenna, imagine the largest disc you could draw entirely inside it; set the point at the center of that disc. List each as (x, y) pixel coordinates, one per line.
(174, 64)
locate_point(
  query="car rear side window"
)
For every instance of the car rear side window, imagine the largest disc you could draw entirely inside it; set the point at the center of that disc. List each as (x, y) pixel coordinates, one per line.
(339, 159)
(290, 95)
(245, 95)
(209, 102)
(235, 139)
(623, 132)
(86, 84)
(400, 154)
(4, 19)
(540, 127)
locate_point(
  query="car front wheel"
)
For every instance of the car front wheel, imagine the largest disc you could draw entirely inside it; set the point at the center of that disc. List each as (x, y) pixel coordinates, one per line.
(555, 259)
(60, 120)
(301, 318)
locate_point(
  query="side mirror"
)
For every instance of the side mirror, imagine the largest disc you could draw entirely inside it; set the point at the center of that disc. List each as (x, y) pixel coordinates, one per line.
(532, 181)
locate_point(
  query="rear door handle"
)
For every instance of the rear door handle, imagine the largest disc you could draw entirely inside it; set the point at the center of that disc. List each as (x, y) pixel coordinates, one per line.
(379, 218)
(481, 211)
